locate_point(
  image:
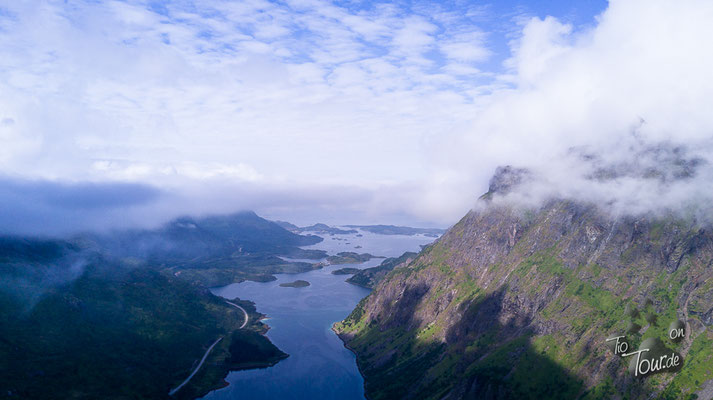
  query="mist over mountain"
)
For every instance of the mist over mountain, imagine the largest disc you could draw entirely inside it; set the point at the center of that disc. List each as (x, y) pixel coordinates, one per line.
(30, 267)
(633, 178)
(58, 209)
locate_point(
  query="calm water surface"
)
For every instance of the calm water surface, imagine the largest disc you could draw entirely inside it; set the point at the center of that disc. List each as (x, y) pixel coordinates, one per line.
(319, 367)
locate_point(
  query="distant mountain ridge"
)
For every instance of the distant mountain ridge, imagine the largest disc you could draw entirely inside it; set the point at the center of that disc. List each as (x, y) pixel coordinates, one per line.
(399, 230)
(378, 229)
(316, 228)
(214, 250)
(188, 237)
(326, 229)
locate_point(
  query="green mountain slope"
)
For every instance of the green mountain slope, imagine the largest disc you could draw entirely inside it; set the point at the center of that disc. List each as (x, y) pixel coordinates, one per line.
(114, 330)
(124, 316)
(512, 304)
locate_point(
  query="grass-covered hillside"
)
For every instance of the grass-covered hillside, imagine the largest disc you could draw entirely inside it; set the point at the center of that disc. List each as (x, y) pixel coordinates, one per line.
(515, 304)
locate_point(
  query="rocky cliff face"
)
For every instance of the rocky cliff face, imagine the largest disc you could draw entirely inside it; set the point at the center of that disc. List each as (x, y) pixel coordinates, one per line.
(519, 303)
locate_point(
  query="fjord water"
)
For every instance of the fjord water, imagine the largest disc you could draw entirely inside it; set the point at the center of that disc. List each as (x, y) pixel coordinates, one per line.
(300, 320)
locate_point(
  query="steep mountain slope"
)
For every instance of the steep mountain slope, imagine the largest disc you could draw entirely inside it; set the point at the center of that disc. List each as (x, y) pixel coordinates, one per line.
(513, 304)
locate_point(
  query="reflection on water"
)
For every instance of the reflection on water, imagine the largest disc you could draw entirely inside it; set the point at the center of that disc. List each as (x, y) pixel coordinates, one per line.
(319, 367)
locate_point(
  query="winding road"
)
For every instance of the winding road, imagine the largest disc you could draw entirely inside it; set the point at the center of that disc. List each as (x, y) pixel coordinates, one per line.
(172, 392)
(245, 312)
(200, 364)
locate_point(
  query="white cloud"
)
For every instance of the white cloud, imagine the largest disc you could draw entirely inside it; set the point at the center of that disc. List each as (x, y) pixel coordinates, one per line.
(311, 93)
(466, 47)
(221, 82)
(589, 90)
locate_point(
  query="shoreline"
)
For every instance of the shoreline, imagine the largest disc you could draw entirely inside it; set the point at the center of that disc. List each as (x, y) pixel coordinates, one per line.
(356, 359)
(327, 267)
(226, 369)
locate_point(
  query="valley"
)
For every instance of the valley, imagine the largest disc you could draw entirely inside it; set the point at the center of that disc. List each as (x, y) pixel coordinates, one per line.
(101, 305)
(300, 320)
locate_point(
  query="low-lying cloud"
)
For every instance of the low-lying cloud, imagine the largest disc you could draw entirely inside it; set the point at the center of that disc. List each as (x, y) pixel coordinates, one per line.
(51, 208)
(47, 208)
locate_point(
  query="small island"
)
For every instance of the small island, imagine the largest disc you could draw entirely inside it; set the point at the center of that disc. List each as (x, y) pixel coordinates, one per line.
(345, 271)
(297, 284)
(348, 257)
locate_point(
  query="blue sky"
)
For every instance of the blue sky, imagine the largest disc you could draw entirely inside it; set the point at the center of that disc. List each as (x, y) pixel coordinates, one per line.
(305, 109)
